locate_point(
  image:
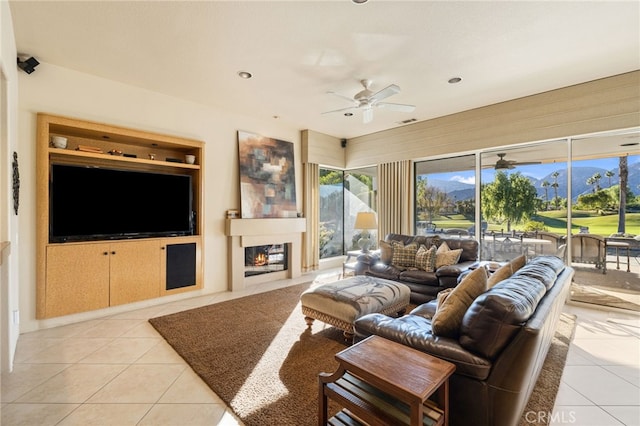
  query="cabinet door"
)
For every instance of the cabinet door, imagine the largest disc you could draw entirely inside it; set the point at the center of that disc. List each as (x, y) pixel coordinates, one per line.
(181, 269)
(77, 278)
(135, 271)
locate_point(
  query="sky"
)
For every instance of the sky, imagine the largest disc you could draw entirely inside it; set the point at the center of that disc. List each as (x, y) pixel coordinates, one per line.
(537, 171)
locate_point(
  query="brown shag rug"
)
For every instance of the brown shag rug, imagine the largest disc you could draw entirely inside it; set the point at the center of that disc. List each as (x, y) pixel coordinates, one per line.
(258, 355)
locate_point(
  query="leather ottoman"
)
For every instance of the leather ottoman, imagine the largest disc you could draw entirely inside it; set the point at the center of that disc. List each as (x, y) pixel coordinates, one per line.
(342, 302)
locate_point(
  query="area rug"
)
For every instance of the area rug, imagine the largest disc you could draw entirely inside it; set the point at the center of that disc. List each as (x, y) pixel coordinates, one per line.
(259, 356)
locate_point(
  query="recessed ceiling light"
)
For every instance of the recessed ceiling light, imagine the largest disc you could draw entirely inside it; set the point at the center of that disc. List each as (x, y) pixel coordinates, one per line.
(245, 74)
(455, 80)
(359, 1)
(348, 114)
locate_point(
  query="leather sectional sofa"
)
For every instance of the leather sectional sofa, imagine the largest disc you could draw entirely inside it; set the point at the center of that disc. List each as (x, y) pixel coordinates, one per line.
(501, 346)
(424, 285)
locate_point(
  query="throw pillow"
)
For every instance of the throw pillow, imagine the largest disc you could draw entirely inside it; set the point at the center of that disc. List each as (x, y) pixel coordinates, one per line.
(426, 258)
(518, 263)
(502, 273)
(448, 317)
(445, 256)
(442, 296)
(404, 255)
(386, 252)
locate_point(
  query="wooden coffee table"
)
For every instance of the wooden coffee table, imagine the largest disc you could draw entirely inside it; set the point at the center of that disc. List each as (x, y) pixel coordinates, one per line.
(381, 382)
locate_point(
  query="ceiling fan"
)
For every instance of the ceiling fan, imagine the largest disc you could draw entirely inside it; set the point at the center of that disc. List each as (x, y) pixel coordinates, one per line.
(366, 100)
(503, 164)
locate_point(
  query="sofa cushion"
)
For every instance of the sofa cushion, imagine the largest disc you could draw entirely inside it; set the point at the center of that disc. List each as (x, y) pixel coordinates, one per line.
(518, 263)
(445, 256)
(415, 331)
(496, 315)
(404, 255)
(386, 252)
(418, 276)
(442, 296)
(543, 268)
(502, 273)
(426, 258)
(448, 317)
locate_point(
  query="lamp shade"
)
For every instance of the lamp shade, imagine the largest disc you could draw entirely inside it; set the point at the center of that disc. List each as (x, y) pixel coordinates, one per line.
(366, 220)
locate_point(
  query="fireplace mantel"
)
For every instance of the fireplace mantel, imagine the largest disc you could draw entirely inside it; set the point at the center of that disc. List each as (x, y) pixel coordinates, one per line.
(243, 233)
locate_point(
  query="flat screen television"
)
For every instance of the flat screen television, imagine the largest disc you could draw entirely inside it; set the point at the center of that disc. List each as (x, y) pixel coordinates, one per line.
(96, 203)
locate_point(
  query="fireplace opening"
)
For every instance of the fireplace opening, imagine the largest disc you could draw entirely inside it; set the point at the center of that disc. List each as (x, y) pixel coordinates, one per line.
(265, 259)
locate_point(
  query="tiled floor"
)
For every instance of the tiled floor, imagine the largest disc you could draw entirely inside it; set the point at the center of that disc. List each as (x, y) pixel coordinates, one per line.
(119, 371)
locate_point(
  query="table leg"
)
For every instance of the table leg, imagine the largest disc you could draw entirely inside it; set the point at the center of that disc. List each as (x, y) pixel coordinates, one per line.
(628, 257)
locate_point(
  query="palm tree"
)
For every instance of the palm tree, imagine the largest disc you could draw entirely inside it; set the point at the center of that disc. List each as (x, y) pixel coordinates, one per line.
(554, 185)
(624, 175)
(592, 181)
(609, 174)
(545, 184)
(596, 179)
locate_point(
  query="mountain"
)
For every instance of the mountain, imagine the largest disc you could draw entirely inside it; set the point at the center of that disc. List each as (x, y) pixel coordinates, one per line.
(463, 191)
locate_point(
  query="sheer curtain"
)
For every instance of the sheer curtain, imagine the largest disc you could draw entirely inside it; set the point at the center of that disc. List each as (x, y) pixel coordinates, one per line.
(311, 208)
(395, 195)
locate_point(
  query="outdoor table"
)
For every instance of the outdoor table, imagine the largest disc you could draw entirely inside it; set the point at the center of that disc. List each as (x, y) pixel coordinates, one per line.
(619, 245)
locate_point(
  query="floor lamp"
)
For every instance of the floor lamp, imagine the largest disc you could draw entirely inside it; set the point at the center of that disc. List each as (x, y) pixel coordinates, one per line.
(365, 221)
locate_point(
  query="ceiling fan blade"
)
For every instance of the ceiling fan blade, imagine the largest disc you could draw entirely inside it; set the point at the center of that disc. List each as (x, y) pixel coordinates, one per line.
(396, 107)
(526, 163)
(340, 110)
(367, 115)
(385, 93)
(346, 98)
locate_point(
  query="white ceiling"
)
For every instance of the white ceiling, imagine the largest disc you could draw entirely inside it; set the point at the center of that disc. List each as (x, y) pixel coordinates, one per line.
(299, 50)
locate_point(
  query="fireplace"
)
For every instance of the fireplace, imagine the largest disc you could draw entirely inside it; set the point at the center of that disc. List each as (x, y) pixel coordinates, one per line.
(265, 259)
(243, 233)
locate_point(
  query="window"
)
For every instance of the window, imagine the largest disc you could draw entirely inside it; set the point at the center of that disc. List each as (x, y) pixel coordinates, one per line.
(331, 213)
(342, 195)
(445, 198)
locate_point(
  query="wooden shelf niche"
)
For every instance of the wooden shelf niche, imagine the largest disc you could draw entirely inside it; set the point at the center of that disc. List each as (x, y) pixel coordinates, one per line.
(75, 277)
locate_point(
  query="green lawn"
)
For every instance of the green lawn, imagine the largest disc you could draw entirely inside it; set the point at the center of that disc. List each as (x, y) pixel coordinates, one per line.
(556, 221)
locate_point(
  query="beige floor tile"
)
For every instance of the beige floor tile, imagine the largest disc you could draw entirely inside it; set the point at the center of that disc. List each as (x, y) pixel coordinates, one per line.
(184, 414)
(161, 353)
(121, 351)
(621, 351)
(106, 415)
(25, 377)
(144, 329)
(610, 389)
(139, 314)
(74, 384)
(144, 383)
(629, 373)
(34, 414)
(582, 416)
(27, 348)
(628, 415)
(189, 389)
(110, 328)
(69, 350)
(569, 396)
(61, 331)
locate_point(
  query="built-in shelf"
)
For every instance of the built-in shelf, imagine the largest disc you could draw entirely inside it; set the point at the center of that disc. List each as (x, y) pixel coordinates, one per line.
(81, 276)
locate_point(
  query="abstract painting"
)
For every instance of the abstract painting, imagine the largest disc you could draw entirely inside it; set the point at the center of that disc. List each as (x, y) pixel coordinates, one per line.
(267, 177)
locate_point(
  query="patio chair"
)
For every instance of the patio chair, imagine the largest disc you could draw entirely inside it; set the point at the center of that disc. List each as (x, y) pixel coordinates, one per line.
(589, 248)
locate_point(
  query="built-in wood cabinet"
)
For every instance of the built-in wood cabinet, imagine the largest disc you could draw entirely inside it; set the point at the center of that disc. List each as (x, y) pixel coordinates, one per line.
(80, 276)
(77, 278)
